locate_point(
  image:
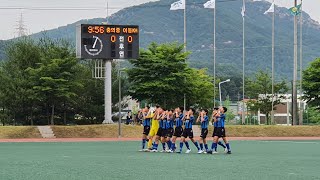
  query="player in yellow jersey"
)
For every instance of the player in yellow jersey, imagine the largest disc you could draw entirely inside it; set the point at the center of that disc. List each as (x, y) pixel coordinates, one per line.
(154, 127)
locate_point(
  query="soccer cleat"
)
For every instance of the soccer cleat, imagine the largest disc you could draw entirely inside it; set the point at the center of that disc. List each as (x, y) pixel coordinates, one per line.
(204, 152)
(229, 152)
(214, 152)
(225, 150)
(170, 151)
(188, 151)
(209, 152)
(154, 150)
(141, 150)
(162, 151)
(200, 152)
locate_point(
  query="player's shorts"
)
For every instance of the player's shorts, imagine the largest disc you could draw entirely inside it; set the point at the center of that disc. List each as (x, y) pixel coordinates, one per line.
(204, 133)
(146, 130)
(160, 131)
(169, 132)
(219, 131)
(178, 131)
(187, 133)
(164, 133)
(153, 132)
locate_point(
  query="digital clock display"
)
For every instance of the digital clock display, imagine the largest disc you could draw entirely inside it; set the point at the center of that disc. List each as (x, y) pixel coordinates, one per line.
(107, 41)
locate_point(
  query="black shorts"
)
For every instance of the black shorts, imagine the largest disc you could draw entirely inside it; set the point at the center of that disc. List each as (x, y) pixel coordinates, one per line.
(146, 130)
(164, 133)
(169, 132)
(178, 131)
(160, 131)
(204, 133)
(219, 131)
(187, 133)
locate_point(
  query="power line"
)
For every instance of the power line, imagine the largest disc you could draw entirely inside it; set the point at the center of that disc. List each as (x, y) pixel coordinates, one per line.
(45, 8)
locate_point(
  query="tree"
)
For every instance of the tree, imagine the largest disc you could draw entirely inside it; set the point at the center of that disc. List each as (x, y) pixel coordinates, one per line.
(162, 76)
(311, 83)
(260, 88)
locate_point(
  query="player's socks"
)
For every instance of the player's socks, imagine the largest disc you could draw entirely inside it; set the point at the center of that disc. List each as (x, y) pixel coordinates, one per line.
(164, 146)
(143, 143)
(213, 146)
(149, 143)
(201, 146)
(187, 145)
(221, 144)
(181, 146)
(173, 145)
(196, 144)
(206, 147)
(228, 146)
(169, 144)
(155, 146)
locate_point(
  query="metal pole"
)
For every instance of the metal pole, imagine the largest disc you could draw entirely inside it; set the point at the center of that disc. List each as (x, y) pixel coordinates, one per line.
(119, 121)
(243, 60)
(295, 63)
(272, 111)
(220, 93)
(214, 58)
(301, 68)
(185, 45)
(107, 93)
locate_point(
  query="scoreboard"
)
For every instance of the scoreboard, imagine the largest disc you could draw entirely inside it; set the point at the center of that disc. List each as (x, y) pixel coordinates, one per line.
(107, 41)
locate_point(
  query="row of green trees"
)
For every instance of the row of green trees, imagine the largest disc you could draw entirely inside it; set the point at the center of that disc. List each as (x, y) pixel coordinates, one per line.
(43, 83)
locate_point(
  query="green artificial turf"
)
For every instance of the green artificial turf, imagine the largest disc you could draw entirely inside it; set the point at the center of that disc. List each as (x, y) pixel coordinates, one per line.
(256, 160)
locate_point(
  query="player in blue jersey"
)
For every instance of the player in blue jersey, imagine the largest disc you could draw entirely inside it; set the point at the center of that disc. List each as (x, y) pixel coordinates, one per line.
(163, 125)
(146, 117)
(187, 132)
(219, 130)
(204, 119)
(169, 128)
(178, 130)
(214, 113)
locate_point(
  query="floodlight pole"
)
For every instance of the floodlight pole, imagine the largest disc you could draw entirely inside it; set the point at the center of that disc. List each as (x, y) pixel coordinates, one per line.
(295, 64)
(107, 93)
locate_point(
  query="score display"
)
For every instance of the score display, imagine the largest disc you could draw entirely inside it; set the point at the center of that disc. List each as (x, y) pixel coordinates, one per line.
(107, 41)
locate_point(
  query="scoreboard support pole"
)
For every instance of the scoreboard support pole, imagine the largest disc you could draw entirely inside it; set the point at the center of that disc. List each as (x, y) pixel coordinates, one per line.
(107, 93)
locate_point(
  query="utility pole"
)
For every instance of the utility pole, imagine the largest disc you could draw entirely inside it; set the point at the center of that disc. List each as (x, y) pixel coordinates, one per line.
(301, 68)
(295, 64)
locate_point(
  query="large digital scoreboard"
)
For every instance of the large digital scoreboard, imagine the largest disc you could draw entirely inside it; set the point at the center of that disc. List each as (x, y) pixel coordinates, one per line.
(107, 41)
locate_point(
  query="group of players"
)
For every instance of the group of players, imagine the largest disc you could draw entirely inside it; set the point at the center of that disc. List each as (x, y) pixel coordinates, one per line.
(165, 126)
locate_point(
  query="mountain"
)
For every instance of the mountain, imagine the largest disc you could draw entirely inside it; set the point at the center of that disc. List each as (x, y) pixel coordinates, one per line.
(159, 24)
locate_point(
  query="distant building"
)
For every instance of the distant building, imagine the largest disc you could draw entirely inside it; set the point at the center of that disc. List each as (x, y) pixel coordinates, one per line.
(282, 114)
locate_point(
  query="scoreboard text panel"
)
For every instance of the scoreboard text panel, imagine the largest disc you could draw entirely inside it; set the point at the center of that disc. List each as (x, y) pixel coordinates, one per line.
(107, 41)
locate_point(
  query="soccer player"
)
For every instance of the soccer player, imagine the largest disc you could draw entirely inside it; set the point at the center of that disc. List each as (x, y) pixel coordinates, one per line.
(146, 125)
(154, 128)
(219, 130)
(214, 113)
(169, 128)
(204, 119)
(187, 132)
(178, 130)
(163, 125)
(160, 118)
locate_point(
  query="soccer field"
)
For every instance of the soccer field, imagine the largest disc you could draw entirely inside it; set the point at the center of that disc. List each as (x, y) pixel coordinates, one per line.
(121, 160)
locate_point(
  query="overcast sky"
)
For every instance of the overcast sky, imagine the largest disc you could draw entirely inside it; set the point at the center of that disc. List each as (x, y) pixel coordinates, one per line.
(37, 20)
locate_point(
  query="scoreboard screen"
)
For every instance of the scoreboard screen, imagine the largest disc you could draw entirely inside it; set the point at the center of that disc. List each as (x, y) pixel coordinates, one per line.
(107, 41)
